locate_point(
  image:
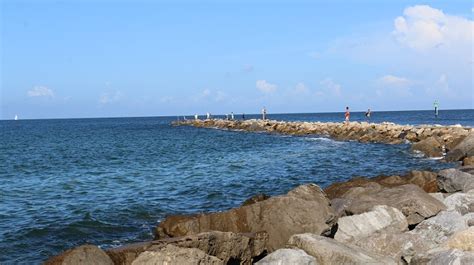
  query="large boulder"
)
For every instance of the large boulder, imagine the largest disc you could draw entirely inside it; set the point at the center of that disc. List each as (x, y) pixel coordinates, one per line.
(452, 180)
(355, 227)
(286, 256)
(226, 246)
(410, 199)
(463, 149)
(85, 254)
(304, 209)
(176, 255)
(430, 147)
(468, 161)
(329, 251)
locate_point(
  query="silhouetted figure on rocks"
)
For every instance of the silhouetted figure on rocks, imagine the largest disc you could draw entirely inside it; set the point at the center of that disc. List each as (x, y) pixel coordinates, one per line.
(347, 114)
(264, 113)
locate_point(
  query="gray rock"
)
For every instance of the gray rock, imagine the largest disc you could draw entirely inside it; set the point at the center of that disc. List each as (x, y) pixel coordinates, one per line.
(355, 227)
(175, 255)
(329, 251)
(463, 149)
(444, 257)
(452, 180)
(437, 195)
(461, 202)
(463, 240)
(85, 254)
(304, 209)
(410, 199)
(286, 256)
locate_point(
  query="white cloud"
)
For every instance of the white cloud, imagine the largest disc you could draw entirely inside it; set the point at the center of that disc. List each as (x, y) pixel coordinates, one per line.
(301, 88)
(422, 27)
(391, 80)
(265, 87)
(332, 87)
(40, 91)
(110, 97)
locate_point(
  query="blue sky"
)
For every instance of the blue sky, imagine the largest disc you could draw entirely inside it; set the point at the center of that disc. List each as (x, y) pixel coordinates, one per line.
(63, 59)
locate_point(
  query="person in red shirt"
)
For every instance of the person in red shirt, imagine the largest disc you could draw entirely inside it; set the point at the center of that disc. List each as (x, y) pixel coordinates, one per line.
(347, 114)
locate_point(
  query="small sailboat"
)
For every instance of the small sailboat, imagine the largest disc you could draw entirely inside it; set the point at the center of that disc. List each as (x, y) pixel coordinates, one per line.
(16, 117)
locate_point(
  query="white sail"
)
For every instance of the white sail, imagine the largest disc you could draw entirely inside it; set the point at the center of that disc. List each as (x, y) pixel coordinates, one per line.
(16, 117)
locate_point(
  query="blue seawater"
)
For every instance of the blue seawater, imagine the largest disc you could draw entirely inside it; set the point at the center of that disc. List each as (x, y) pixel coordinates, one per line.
(110, 181)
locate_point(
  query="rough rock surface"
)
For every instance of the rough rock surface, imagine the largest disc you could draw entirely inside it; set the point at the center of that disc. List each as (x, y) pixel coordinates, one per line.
(452, 180)
(423, 179)
(286, 256)
(462, 240)
(444, 257)
(85, 254)
(176, 255)
(223, 245)
(430, 147)
(464, 149)
(411, 200)
(303, 209)
(329, 251)
(356, 227)
(468, 161)
(461, 202)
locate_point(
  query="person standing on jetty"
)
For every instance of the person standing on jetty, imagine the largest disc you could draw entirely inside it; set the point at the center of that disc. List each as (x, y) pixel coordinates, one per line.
(367, 115)
(196, 117)
(243, 116)
(347, 114)
(232, 115)
(436, 108)
(264, 113)
(208, 116)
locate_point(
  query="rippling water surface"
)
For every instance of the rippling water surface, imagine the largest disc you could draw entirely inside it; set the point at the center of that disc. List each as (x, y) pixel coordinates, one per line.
(110, 181)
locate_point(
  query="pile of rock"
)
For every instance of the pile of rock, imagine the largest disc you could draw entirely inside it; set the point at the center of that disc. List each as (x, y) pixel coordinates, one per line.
(422, 217)
(433, 141)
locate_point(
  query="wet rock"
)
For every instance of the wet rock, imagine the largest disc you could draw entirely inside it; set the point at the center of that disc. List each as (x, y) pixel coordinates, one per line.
(288, 256)
(463, 149)
(356, 227)
(329, 251)
(411, 200)
(226, 246)
(85, 254)
(430, 147)
(176, 255)
(452, 180)
(304, 209)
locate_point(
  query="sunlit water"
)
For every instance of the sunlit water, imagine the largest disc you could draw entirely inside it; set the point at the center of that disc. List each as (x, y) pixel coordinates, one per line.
(110, 181)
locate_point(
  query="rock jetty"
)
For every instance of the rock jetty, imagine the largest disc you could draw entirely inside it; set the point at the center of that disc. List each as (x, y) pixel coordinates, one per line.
(433, 141)
(421, 217)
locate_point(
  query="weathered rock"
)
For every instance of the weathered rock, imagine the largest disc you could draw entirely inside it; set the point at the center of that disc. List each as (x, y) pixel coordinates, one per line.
(461, 202)
(286, 256)
(452, 180)
(329, 251)
(468, 161)
(443, 257)
(254, 199)
(437, 195)
(85, 254)
(411, 200)
(304, 209)
(462, 240)
(356, 227)
(463, 149)
(423, 179)
(226, 246)
(176, 255)
(430, 147)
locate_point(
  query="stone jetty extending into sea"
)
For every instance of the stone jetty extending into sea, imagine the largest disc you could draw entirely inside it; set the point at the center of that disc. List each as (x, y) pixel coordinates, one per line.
(421, 217)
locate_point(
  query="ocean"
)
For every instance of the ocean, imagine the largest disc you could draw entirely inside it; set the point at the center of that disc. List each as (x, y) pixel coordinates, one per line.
(109, 181)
